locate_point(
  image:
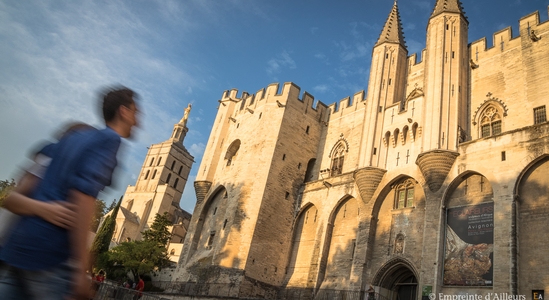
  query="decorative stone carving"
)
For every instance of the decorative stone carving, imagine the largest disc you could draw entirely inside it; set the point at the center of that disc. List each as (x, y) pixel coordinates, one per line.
(399, 244)
(201, 188)
(435, 165)
(367, 180)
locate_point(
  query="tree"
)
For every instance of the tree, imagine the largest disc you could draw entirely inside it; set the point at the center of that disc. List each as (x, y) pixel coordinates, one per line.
(103, 238)
(5, 187)
(111, 206)
(140, 257)
(100, 211)
(158, 232)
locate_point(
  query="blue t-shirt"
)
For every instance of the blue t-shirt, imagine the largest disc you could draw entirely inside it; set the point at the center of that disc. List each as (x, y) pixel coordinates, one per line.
(83, 161)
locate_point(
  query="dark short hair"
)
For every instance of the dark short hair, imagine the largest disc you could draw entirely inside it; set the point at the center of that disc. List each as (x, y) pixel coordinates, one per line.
(113, 98)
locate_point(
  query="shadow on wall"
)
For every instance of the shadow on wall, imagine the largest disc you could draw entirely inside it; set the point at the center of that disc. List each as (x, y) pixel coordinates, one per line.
(217, 235)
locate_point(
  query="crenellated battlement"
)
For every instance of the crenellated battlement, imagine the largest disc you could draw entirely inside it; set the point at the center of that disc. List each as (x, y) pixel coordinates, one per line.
(346, 105)
(287, 95)
(530, 30)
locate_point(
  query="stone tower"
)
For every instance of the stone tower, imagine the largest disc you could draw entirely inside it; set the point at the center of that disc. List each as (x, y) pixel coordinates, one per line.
(385, 88)
(158, 188)
(248, 182)
(434, 181)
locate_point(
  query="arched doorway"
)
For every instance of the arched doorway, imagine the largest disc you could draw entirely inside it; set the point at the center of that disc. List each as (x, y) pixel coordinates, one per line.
(397, 280)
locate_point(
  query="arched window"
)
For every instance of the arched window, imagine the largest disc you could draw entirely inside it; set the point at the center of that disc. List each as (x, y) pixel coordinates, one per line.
(168, 179)
(173, 165)
(404, 194)
(159, 161)
(231, 151)
(172, 252)
(154, 174)
(338, 156)
(414, 131)
(180, 168)
(147, 174)
(490, 122)
(175, 183)
(395, 137)
(387, 138)
(152, 161)
(404, 134)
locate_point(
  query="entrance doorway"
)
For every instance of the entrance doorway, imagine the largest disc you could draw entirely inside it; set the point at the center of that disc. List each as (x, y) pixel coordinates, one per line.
(397, 281)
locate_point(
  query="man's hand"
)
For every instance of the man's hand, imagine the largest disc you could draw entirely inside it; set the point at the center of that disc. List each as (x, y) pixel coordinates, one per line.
(60, 213)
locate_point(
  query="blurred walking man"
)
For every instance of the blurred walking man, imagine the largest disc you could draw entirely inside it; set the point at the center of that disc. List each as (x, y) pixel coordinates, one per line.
(46, 261)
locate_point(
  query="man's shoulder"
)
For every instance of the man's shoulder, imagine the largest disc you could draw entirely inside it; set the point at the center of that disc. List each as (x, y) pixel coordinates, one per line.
(102, 137)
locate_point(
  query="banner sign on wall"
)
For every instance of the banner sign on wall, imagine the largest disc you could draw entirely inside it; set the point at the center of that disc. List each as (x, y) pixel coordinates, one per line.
(469, 245)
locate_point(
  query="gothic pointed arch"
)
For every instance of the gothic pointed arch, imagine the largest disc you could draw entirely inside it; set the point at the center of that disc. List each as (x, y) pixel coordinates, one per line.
(337, 155)
(211, 224)
(415, 93)
(304, 247)
(530, 206)
(341, 236)
(231, 151)
(395, 272)
(469, 231)
(489, 116)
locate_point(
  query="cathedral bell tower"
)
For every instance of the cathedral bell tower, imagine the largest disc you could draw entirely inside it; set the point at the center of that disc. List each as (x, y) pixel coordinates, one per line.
(159, 186)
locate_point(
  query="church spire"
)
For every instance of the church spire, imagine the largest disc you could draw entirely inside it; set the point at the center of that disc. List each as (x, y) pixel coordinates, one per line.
(180, 129)
(453, 6)
(392, 31)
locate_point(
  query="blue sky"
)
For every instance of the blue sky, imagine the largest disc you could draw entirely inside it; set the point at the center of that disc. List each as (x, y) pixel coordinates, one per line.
(56, 55)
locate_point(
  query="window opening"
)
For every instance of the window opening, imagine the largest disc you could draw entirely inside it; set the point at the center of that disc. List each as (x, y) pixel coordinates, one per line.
(338, 157)
(490, 122)
(404, 194)
(540, 115)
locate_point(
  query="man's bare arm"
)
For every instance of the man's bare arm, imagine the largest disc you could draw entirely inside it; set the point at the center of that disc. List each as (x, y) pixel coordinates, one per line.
(59, 213)
(84, 208)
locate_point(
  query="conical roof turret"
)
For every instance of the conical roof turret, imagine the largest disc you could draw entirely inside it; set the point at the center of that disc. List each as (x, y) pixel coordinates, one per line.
(453, 6)
(392, 31)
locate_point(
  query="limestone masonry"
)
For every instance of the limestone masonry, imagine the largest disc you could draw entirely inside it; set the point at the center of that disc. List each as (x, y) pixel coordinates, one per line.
(434, 179)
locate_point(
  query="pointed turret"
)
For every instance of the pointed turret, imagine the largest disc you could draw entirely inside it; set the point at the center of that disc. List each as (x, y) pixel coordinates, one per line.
(392, 31)
(180, 129)
(446, 78)
(452, 6)
(386, 87)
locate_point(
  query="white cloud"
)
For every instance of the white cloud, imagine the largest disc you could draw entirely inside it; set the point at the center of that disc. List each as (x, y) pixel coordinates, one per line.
(322, 88)
(280, 61)
(197, 150)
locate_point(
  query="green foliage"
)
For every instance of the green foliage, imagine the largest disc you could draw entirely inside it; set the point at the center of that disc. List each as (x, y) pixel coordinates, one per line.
(5, 187)
(103, 239)
(141, 257)
(138, 257)
(158, 232)
(111, 206)
(100, 211)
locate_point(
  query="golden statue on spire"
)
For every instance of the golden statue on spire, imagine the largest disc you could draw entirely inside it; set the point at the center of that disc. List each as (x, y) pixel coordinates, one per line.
(186, 115)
